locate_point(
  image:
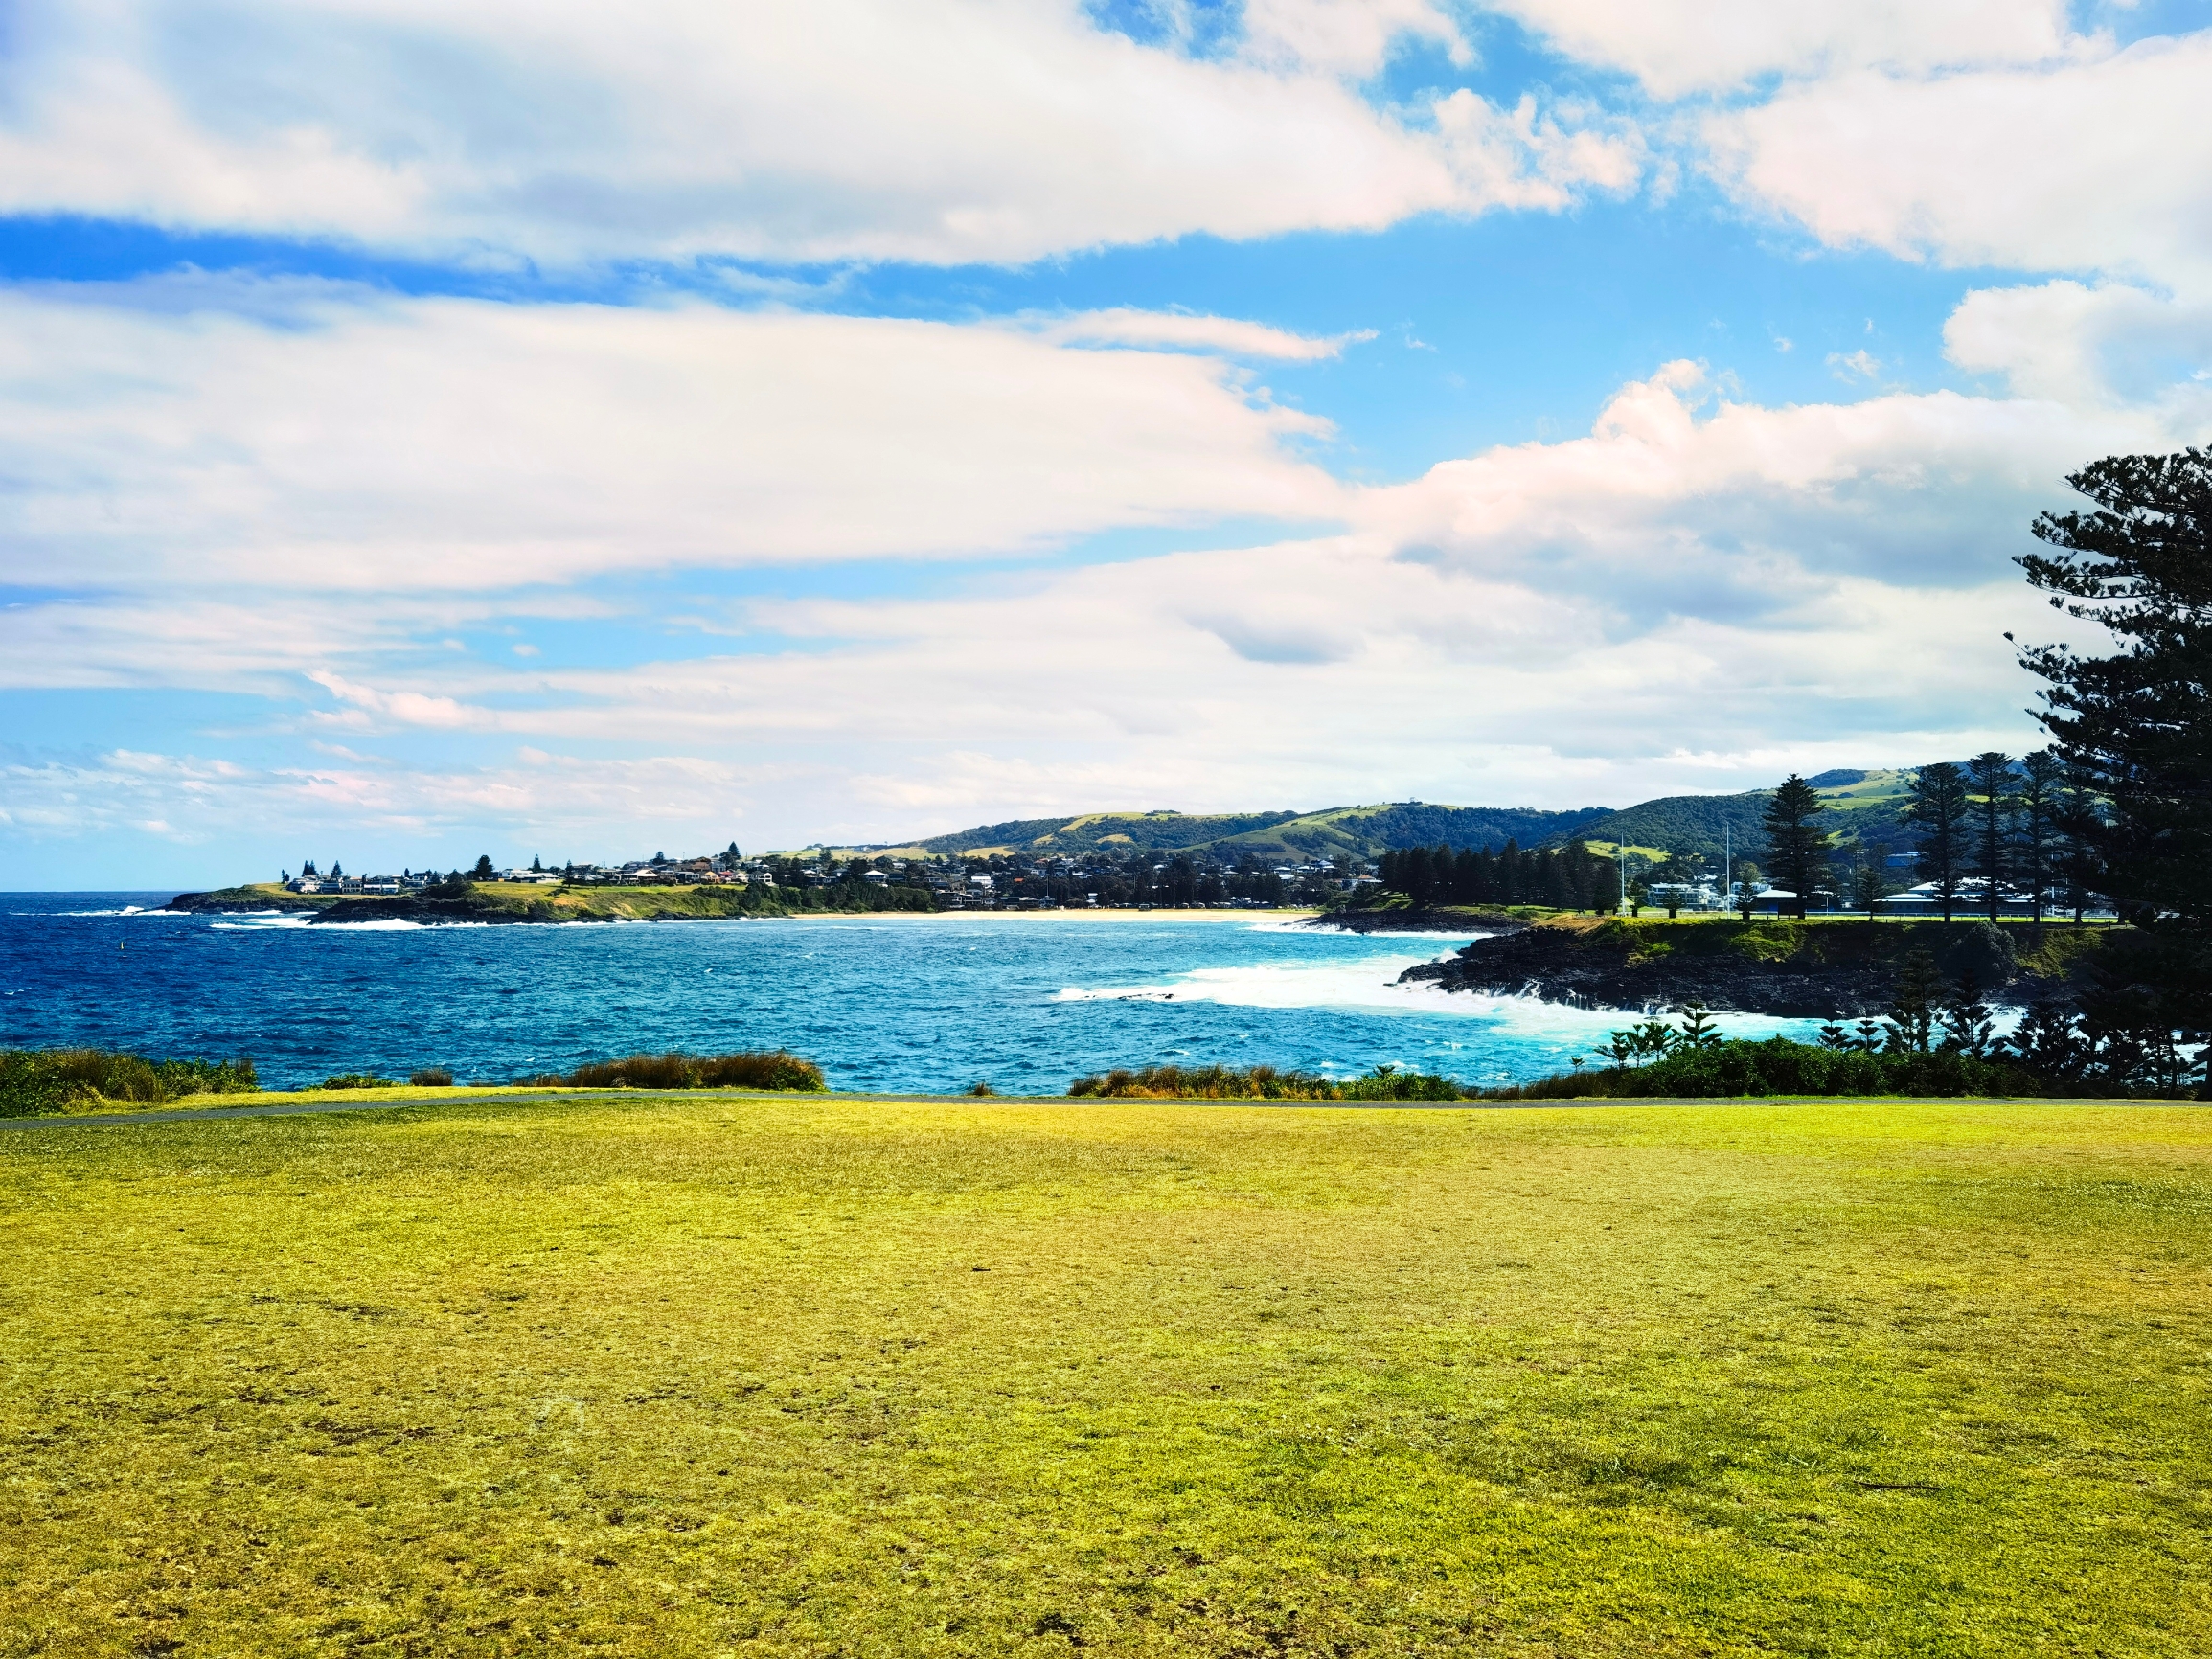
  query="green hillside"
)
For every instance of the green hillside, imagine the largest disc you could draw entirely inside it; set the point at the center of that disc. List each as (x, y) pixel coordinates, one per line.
(1862, 806)
(1364, 831)
(1691, 824)
(1865, 806)
(1869, 806)
(1354, 832)
(1154, 832)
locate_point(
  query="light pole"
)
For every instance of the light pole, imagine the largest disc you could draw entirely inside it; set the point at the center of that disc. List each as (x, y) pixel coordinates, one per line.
(1727, 861)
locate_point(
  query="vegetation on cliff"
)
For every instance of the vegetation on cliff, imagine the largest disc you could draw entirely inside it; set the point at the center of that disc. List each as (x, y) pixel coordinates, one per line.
(37, 1082)
(1216, 1082)
(751, 1069)
(497, 901)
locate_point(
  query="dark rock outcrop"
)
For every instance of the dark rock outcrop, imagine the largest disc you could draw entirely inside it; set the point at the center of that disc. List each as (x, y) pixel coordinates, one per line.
(429, 911)
(239, 902)
(1830, 970)
(1447, 919)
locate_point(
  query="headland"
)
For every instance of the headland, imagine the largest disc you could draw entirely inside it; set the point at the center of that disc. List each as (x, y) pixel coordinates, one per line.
(1821, 968)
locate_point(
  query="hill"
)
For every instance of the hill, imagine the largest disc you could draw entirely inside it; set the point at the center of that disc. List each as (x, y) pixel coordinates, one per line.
(1354, 832)
(1364, 831)
(1864, 806)
(1154, 832)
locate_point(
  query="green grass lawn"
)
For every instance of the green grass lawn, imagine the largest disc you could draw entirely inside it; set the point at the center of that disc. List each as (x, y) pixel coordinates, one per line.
(824, 1376)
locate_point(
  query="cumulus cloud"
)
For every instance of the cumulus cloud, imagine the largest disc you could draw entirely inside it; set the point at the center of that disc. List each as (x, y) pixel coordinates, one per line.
(1121, 685)
(2101, 162)
(932, 130)
(397, 446)
(1352, 38)
(1703, 506)
(2089, 345)
(1696, 594)
(1712, 45)
(193, 800)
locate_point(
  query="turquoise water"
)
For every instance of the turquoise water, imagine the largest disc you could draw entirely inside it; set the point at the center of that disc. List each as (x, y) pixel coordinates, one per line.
(922, 1004)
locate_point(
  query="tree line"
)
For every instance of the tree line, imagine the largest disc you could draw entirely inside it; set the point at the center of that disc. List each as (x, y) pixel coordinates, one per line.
(1995, 823)
(1569, 877)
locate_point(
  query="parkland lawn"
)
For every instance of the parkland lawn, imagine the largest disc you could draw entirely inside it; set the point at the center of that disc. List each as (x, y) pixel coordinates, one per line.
(828, 1377)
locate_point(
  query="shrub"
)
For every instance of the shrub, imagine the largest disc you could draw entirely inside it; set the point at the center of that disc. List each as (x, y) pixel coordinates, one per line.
(30, 1088)
(431, 1078)
(1387, 1084)
(357, 1081)
(1779, 1066)
(981, 1088)
(752, 1069)
(1261, 1084)
(37, 1081)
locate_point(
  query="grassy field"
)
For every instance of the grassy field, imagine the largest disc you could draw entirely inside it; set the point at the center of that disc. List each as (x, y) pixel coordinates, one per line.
(824, 1376)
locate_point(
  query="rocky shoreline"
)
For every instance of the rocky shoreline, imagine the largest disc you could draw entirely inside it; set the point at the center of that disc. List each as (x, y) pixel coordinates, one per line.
(1830, 970)
(1447, 919)
(420, 908)
(239, 901)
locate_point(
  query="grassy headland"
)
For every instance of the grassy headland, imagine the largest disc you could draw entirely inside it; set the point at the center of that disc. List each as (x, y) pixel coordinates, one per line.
(821, 1376)
(508, 901)
(1825, 967)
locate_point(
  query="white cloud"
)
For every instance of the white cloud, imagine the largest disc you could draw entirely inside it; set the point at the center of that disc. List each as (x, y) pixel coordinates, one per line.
(1698, 593)
(1233, 335)
(1525, 158)
(1344, 37)
(1695, 595)
(1709, 45)
(935, 130)
(2100, 163)
(197, 801)
(1738, 509)
(399, 708)
(398, 445)
(2088, 346)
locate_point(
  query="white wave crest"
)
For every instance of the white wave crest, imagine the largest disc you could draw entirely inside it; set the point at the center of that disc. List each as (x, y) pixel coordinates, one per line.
(1369, 984)
(126, 910)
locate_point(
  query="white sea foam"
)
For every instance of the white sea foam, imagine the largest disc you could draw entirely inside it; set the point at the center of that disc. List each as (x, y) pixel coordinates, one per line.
(1370, 986)
(126, 910)
(1309, 930)
(260, 920)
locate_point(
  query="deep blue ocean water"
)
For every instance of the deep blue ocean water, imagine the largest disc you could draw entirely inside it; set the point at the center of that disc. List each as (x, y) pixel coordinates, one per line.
(909, 1004)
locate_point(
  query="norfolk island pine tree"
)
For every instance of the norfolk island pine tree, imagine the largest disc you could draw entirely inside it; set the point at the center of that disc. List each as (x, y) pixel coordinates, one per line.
(1936, 809)
(1990, 811)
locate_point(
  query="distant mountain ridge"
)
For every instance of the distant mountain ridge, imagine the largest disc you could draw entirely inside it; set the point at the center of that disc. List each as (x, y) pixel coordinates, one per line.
(1865, 806)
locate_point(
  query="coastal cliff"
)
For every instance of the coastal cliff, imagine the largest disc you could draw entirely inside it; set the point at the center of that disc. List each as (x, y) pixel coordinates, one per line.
(1817, 969)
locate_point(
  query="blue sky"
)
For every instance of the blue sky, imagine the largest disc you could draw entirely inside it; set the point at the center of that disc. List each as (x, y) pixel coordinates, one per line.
(516, 429)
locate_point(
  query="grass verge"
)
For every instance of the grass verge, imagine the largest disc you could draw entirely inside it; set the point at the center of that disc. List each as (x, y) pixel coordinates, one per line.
(818, 1376)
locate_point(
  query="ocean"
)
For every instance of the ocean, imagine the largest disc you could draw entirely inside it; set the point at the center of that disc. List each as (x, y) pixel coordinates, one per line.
(899, 1004)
